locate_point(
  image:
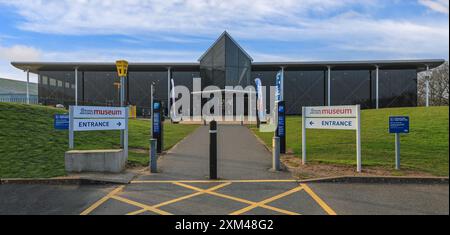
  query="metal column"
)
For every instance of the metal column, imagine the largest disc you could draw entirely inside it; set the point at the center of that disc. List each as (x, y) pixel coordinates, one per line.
(397, 151)
(28, 86)
(329, 86)
(358, 140)
(377, 87)
(168, 92)
(427, 87)
(76, 86)
(122, 104)
(303, 136)
(282, 83)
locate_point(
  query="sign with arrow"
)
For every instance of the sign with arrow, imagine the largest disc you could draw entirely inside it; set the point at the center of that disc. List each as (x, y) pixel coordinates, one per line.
(333, 118)
(99, 124)
(97, 118)
(331, 123)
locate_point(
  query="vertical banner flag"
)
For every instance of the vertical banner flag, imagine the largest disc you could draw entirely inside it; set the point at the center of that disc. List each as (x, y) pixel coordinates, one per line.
(260, 103)
(174, 113)
(278, 84)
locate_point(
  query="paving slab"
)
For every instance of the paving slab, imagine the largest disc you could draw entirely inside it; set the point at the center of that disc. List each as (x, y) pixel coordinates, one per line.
(240, 156)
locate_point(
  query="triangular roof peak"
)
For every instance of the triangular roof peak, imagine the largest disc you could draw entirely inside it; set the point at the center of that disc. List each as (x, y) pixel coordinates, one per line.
(225, 34)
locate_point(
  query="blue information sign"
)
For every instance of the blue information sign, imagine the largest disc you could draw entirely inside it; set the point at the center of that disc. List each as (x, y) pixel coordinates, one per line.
(61, 121)
(156, 123)
(399, 124)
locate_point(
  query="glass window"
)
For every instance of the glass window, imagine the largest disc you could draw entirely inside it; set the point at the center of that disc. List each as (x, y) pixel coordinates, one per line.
(44, 80)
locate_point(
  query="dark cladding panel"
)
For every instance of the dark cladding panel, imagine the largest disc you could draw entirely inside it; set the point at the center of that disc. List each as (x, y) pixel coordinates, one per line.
(101, 88)
(351, 87)
(303, 88)
(140, 84)
(398, 88)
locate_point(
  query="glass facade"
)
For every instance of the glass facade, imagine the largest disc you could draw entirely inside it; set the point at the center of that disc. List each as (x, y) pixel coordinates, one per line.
(227, 64)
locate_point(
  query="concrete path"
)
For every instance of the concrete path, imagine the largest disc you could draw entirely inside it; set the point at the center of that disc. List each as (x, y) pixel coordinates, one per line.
(240, 156)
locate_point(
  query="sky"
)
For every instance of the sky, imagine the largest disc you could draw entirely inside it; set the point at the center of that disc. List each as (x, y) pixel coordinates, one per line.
(181, 30)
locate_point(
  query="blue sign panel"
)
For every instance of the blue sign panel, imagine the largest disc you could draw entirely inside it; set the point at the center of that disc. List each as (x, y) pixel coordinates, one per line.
(281, 126)
(399, 124)
(61, 121)
(156, 123)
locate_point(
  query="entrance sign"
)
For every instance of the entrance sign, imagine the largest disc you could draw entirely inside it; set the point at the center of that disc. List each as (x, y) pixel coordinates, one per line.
(97, 118)
(61, 121)
(331, 123)
(397, 126)
(99, 124)
(333, 118)
(98, 112)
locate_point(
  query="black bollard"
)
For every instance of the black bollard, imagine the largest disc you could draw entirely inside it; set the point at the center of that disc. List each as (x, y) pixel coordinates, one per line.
(213, 151)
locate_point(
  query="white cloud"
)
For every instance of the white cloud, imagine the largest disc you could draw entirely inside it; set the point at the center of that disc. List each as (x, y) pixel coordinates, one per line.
(16, 53)
(192, 17)
(19, 52)
(441, 6)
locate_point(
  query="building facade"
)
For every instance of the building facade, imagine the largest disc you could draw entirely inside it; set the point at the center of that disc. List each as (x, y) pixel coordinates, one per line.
(372, 84)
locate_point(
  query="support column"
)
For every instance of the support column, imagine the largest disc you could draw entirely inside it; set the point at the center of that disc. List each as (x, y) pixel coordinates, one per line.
(282, 83)
(76, 86)
(28, 86)
(427, 87)
(329, 86)
(168, 92)
(377, 87)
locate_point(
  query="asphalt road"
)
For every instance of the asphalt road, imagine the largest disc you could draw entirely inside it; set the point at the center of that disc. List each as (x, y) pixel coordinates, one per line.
(224, 198)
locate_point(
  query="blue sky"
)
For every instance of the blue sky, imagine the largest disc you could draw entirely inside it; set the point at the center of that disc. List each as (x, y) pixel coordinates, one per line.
(181, 30)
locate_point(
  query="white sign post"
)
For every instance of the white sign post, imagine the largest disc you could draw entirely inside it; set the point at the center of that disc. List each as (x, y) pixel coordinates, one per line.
(95, 118)
(333, 118)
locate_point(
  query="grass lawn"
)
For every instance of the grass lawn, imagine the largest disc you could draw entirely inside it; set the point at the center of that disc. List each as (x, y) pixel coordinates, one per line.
(31, 148)
(424, 149)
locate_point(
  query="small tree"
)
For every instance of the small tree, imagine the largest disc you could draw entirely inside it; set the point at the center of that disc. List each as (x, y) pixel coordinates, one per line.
(438, 85)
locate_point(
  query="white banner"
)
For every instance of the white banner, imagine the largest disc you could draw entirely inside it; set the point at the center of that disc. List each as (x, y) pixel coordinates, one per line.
(331, 111)
(99, 124)
(98, 112)
(331, 123)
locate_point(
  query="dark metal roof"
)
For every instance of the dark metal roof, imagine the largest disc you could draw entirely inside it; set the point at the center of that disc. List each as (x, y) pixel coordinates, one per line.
(35, 67)
(420, 65)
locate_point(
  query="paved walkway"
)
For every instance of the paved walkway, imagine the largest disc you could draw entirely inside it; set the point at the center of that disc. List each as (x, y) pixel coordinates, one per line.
(240, 156)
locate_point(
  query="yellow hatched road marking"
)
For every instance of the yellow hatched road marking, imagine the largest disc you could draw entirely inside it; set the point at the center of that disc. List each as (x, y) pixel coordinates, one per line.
(182, 198)
(143, 206)
(318, 200)
(239, 200)
(269, 200)
(102, 200)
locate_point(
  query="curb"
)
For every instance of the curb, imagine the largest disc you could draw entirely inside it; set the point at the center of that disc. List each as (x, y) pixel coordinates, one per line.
(380, 180)
(73, 181)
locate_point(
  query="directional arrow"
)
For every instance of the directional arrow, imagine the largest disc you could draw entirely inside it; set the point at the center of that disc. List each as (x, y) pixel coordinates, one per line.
(311, 123)
(119, 124)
